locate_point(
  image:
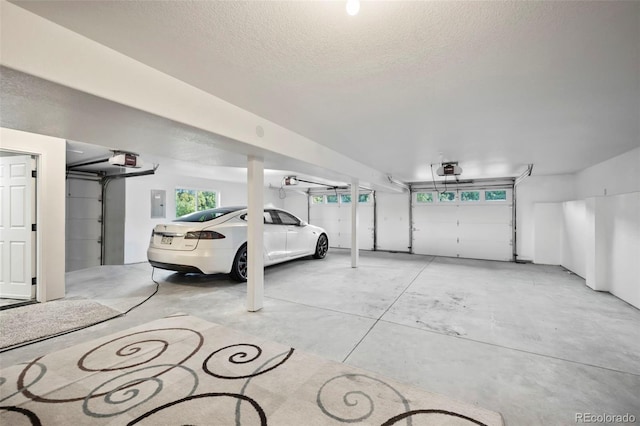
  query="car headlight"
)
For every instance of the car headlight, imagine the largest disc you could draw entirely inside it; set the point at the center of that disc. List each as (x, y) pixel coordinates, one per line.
(203, 235)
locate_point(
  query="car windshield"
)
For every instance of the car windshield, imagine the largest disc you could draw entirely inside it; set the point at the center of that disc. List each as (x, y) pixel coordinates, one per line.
(207, 215)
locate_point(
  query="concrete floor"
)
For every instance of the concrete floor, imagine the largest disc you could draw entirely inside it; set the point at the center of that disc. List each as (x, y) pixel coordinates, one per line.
(530, 341)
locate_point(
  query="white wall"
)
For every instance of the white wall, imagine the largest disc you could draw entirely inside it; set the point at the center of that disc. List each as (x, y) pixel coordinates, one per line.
(138, 223)
(620, 246)
(548, 233)
(618, 175)
(574, 238)
(600, 235)
(537, 189)
(50, 209)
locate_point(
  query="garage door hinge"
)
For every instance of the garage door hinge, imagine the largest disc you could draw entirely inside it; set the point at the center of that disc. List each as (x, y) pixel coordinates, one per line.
(34, 174)
(33, 281)
(34, 227)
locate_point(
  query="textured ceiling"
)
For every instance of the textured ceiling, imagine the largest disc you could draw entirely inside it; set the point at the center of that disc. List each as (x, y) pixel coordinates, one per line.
(494, 85)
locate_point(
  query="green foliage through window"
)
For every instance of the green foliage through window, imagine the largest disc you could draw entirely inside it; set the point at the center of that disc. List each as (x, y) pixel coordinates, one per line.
(363, 198)
(332, 199)
(447, 196)
(185, 202)
(495, 195)
(345, 198)
(317, 199)
(470, 196)
(189, 201)
(424, 197)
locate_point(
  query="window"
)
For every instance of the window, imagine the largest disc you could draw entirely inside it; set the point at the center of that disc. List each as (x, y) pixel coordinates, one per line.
(470, 196)
(191, 200)
(495, 195)
(286, 218)
(207, 215)
(332, 199)
(447, 197)
(345, 198)
(363, 198)
(317, 199)
(424, 197)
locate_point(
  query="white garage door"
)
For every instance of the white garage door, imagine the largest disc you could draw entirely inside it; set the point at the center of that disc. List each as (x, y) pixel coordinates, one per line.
(474, 223)
(332, 211)
(393, 221)
(84, 213)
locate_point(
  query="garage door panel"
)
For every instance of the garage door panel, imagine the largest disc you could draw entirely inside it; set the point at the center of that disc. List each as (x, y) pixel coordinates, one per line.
(437, 246)
(336, 220)
(442, 214)
(393, 214)
(83, 208)
(485, 214)
(82, 229)
(477, 230)
(485, 231)
(488, 250)
(83, 253)
(83, 188)
(436, 230)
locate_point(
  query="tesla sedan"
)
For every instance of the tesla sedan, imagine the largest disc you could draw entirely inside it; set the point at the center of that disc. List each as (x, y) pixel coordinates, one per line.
(215, 241)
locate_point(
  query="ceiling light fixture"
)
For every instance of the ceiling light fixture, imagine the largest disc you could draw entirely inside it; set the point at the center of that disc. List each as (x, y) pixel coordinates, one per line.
(353, 7)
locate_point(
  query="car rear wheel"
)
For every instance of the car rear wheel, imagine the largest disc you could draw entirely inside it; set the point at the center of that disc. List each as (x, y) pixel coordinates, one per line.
(240, 264)
(322, 247)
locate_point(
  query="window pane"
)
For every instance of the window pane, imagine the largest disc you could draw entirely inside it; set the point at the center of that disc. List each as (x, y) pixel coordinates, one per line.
(185, 202)
(287, 219)
(363, 198)
(206, 200)
(332, 198)
(447, 196)
(346, 198)
(470, 196)
(317, 199)
(495, 195)
(424, 197)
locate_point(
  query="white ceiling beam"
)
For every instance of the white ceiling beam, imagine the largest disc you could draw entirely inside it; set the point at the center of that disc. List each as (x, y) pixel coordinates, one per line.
(36, 46)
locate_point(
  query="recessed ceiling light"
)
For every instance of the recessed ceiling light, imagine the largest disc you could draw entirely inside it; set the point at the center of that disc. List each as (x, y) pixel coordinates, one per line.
(353, 7)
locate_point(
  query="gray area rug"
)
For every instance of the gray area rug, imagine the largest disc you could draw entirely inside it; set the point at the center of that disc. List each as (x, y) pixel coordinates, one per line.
(183, 370)
(37, 321)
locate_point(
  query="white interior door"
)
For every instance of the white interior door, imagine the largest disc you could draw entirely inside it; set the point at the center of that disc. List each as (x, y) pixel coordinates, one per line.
(17, 214)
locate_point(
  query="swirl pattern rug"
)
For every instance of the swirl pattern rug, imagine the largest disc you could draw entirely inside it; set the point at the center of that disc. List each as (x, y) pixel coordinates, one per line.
(182, 370)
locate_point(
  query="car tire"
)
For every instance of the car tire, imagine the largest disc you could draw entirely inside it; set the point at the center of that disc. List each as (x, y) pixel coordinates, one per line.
(240, 265)
(322, 247)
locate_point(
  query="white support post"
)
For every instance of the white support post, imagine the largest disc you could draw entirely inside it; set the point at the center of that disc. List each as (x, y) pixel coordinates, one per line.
(255, 233)
(355, 253)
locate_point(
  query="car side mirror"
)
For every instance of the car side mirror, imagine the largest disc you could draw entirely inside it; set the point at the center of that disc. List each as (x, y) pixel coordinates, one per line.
(302, 223)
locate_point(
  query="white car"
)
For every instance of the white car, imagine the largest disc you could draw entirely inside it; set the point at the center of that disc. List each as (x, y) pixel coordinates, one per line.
(215, 241)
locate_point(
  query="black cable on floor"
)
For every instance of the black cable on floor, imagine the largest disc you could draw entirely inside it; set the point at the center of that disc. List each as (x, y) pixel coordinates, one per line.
(62, 333)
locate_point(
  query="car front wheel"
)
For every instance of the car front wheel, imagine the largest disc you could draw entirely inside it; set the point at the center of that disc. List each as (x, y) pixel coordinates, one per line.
(240, 264)
(322, 247)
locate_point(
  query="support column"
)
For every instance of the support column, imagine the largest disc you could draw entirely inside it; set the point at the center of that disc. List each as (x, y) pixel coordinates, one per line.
(255, 233)
(355, 250)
